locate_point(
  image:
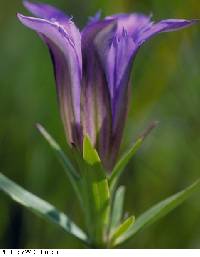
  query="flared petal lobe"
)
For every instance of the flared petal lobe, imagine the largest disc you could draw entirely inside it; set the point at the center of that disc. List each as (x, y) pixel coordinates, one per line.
(168, 25)
(64, 42)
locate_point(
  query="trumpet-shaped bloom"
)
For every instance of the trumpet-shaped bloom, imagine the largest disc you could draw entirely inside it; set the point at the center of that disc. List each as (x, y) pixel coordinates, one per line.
(92, 70)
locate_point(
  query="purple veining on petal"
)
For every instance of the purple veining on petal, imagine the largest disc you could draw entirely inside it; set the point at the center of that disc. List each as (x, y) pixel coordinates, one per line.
(60, 20)
(115, 50)
(96, 108)
(132, 23)
(92, 70)
(117, 46)
(64, 41)
(65, 92)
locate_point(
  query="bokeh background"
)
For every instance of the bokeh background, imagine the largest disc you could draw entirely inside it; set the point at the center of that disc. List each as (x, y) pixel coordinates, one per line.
(165, 87)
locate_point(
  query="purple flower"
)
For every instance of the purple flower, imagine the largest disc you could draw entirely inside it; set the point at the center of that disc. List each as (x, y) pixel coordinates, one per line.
(92, 70)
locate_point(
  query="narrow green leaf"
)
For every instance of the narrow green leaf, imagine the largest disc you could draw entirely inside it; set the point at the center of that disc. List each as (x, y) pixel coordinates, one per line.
(64, 160)
(40, 207)
(121, 230)
(117, 209)
(121, 164)
(58, 151)
(160, 210)
(95, 193)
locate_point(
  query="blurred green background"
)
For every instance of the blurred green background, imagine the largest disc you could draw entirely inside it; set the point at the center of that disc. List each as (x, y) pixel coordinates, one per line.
(165, 87)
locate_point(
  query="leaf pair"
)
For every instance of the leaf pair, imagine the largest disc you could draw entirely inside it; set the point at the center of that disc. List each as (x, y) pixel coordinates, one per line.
(118, 226)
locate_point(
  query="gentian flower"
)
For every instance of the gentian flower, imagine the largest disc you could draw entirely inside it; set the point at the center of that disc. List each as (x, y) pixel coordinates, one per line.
(92, 70)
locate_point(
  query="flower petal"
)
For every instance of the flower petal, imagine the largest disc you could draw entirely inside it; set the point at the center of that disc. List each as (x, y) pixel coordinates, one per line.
(59, 18)
(67, 62)
(114, 46)
(96, 107)
(117, 45)
(132, 23)
(115, 52)
(45, 11)
(164, 26)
